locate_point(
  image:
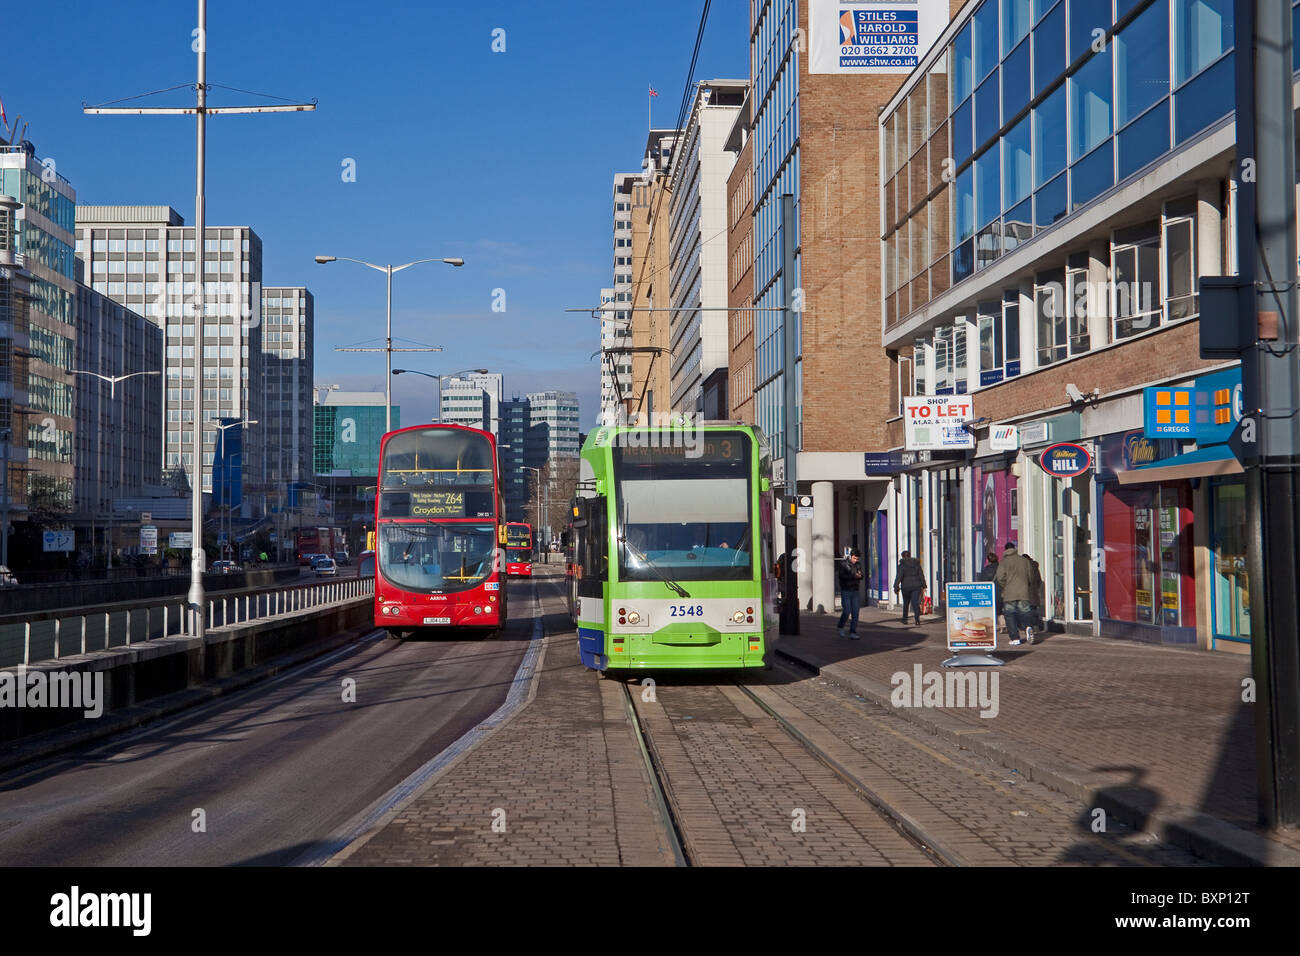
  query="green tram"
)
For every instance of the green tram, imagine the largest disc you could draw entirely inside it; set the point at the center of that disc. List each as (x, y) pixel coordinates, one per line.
(671, 564)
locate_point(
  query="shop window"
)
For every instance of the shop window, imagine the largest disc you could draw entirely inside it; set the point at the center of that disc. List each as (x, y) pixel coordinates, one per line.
(1149, 578)
(1231, 595)
(1136, 289)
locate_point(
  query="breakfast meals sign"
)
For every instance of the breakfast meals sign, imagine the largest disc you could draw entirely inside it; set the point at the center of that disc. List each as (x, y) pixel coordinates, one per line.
(972, 618)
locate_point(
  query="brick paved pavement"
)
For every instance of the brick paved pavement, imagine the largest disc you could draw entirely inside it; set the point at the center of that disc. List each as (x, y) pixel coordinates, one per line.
(1161, 730)
(975, 811)
(566, 771)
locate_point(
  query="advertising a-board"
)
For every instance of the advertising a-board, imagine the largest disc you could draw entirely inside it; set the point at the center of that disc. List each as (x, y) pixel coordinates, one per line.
(972, 618)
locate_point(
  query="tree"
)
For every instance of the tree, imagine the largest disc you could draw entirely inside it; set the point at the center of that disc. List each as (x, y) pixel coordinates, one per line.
(559, 483)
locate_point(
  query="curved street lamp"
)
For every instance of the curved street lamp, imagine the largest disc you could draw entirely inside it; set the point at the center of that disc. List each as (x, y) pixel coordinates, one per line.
(388, 343)
(464, 371)
(112, 397)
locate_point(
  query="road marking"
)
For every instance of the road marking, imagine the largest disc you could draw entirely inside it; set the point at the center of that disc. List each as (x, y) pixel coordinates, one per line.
(370, 821)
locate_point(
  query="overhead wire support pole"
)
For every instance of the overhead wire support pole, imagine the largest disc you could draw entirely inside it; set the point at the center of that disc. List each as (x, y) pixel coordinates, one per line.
(200, 110)
(1266, 257)
(790, 607)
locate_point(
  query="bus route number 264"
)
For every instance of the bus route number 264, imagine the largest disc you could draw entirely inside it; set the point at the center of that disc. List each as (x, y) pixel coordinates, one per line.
(686, 610)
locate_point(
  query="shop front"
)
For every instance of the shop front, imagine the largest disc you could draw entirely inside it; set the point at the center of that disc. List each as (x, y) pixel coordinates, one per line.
(1229, 583)
(1058, 524)
(1148, 581)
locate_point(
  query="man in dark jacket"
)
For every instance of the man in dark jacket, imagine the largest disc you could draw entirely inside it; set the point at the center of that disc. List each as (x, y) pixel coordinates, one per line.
(1015, 576)
(849, 572)
(910, 583)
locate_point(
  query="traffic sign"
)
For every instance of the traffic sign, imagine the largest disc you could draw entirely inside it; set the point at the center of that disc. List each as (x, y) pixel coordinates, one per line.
(59, 541)
(180, 540)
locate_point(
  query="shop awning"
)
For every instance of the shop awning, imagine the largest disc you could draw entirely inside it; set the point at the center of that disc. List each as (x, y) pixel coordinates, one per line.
(1202, 463)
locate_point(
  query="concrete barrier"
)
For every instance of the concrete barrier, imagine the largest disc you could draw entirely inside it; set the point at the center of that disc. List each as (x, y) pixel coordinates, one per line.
(131, 674)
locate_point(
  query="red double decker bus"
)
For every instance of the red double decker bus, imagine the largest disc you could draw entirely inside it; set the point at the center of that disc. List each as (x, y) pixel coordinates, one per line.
(519, 549)
(439, 531)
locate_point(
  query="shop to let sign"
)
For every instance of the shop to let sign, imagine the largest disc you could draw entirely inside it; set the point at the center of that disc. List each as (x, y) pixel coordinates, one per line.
(937, 422)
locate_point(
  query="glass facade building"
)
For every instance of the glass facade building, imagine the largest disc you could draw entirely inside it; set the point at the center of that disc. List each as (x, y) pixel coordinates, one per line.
(774, 66)
(346, 438)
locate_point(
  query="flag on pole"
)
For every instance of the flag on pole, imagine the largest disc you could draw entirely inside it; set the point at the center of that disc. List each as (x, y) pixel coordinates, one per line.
(653, 92)
(5, 119)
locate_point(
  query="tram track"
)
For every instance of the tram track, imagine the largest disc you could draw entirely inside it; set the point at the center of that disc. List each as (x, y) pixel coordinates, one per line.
(676, 827)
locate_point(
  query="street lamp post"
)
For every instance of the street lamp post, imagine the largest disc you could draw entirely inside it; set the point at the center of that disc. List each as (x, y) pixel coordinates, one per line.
(388, 270)
(537, 492)
(464, 371)
(225, 463)
(112, 397)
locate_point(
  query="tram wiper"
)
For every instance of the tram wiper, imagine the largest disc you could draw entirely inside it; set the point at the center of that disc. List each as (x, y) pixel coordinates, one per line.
(640, 556)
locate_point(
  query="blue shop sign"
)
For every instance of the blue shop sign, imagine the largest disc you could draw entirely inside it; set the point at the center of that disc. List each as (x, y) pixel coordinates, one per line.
(1207, 410)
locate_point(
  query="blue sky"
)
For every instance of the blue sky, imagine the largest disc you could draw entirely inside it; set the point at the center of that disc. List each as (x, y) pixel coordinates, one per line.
(504, 159)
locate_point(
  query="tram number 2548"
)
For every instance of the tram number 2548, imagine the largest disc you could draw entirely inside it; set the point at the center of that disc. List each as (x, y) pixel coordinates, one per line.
(686, 610)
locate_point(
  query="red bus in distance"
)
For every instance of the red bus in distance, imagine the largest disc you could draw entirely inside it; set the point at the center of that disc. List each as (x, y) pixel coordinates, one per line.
(519, 549)
(439, 531)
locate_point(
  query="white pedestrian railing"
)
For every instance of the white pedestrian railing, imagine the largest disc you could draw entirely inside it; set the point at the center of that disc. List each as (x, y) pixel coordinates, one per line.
(49, 635)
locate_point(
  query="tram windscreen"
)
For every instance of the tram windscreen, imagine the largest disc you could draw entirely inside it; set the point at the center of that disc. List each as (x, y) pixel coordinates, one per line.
(426, 556)
(684, 511)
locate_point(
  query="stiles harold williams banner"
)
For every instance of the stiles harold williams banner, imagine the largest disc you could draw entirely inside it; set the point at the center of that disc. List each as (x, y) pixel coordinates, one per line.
(872, 36)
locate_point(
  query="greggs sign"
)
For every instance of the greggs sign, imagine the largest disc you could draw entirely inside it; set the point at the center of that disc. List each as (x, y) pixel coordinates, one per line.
(1065, 460)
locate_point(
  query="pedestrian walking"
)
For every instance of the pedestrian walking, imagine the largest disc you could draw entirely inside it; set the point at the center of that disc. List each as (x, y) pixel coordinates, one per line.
(850, 574)
(910, 583)
(1036, 598)
(988, 573)
(1015, 576)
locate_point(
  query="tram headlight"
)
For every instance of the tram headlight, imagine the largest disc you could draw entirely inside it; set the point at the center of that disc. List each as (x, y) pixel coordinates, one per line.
(634, 617)
(739, 617)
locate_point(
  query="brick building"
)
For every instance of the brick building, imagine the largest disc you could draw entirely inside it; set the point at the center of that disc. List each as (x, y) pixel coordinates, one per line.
(740, 269)
(1047, 210)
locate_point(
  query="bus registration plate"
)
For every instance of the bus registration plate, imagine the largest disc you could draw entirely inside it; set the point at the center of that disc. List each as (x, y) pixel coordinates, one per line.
(437, 620)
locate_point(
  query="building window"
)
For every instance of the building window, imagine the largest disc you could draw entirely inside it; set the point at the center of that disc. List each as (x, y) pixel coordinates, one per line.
(1050, 314)
(1136, 290)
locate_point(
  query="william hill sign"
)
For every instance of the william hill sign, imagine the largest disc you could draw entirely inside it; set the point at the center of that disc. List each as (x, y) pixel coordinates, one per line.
(1065, 460)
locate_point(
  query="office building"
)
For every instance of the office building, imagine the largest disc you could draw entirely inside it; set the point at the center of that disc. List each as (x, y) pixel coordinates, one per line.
(552, 427)
(144, 257)
(473, 400)
(740, 270)
(346, 433)
(697, 209)
(286, 425)
(38, 336)
(118, 444)
(512, 455)
(651, 246)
